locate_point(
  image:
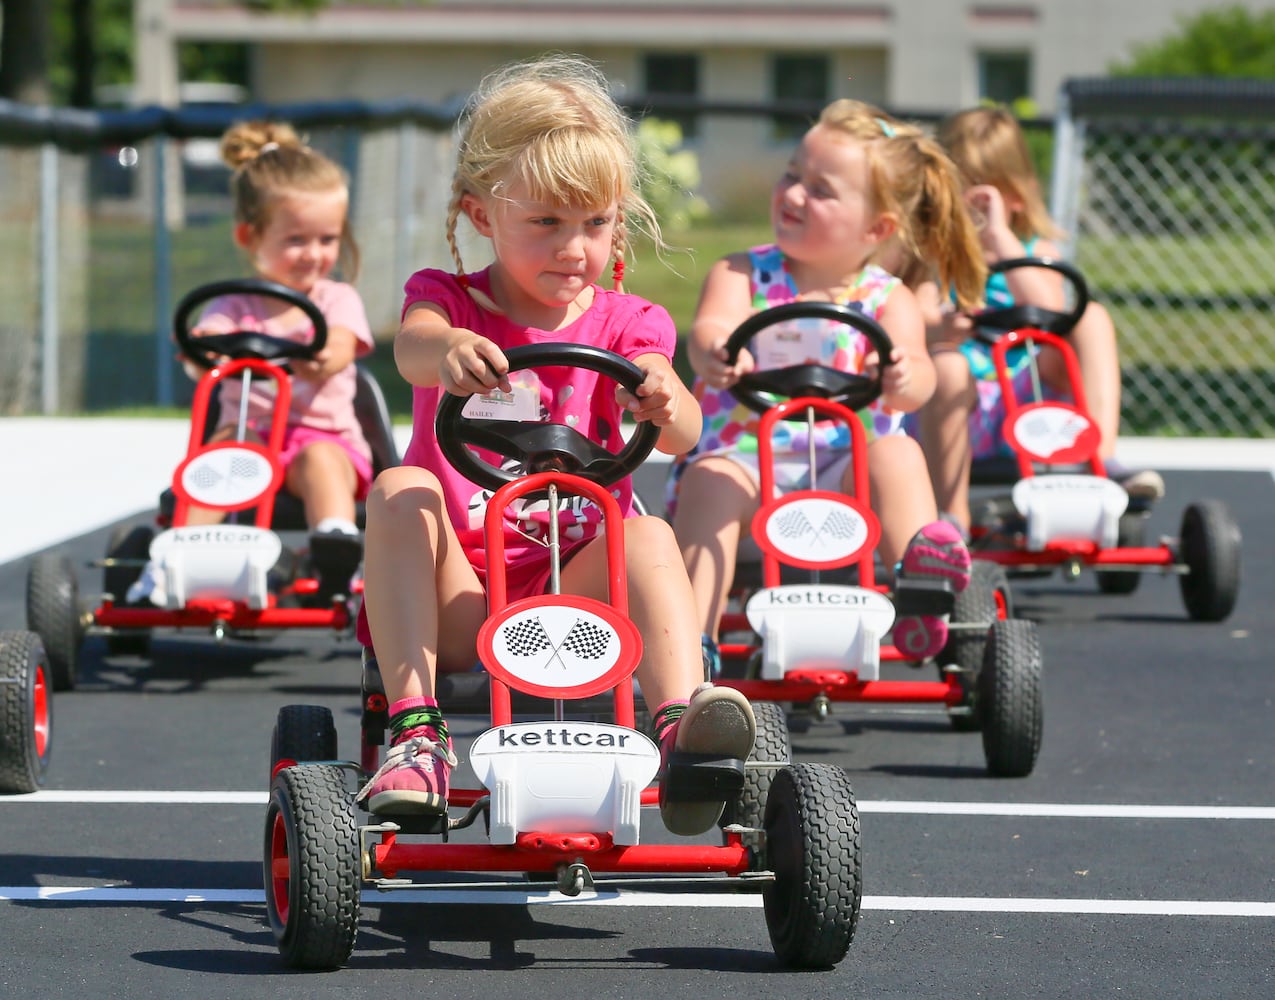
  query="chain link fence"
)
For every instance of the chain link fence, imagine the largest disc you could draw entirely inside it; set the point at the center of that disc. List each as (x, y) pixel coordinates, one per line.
(1168, 192)
(1165, 187)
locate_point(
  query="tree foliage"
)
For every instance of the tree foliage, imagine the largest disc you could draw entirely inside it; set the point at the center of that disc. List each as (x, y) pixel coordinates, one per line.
(1233, 41)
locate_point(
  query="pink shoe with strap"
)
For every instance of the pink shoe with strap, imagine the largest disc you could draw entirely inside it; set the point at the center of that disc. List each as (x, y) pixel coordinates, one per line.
(414, 778)
(936, 551)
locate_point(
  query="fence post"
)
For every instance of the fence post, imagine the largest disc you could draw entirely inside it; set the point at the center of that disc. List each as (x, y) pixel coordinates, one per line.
(1068, 166)
(163, 281)
(48, 269)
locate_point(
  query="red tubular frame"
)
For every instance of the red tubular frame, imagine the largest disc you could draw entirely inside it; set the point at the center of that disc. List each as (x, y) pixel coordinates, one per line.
(199, 421)
(232, 614)
(617, 582)
(546, 851)
(766, 463)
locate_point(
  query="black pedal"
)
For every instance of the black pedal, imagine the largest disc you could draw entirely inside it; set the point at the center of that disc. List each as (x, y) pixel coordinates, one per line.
(335, 558)
(422, 823)
(701, 777)
(923, 596)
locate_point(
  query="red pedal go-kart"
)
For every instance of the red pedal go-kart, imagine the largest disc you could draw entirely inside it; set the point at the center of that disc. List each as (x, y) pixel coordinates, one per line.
(1064, 512)
(560, 798)
(233, 578)
(26, 712)
(815, 631)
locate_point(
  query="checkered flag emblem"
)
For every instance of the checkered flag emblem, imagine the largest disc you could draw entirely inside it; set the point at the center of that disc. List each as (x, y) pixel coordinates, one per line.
(585, 640)
(244, 467)
(526, 637)
(206, 477)
(794, 525)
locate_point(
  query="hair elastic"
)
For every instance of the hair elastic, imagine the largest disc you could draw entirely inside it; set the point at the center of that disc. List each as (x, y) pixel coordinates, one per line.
(617, 270)
(270, 147)
(886, 128)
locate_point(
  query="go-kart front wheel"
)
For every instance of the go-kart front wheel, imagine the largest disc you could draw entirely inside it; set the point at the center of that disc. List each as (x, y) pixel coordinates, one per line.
(1209, 544)
(987, 599)
(813, 848)
(26, 712)
(303, 733)
(312, 868)
(1011, 698)
(53, 613)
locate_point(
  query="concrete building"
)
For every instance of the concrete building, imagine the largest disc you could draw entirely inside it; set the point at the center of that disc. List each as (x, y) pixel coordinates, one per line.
(911, 56)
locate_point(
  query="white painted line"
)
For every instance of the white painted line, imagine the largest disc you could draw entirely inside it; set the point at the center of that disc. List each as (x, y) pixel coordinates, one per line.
(883, 806)
(639, 899)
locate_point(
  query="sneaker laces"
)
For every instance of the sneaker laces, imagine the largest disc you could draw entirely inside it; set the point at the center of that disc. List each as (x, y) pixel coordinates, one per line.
(405, 752)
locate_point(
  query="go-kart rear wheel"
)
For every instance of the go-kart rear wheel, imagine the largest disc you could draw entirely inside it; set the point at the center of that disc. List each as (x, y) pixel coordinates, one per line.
(26, 712)
(814, 850)
(987, 599)
(128, 545)
(1011, 697)
(770, 749)
(1132, 535)
(312, 869)
(303, 733)
(1209, 544)
(53, 613)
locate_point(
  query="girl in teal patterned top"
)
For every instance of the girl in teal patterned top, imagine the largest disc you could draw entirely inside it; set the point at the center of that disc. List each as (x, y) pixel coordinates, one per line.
(858, 182)
(963, 420)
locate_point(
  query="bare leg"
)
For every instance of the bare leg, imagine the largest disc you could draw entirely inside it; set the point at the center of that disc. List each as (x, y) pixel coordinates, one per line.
(416, 573)
(901, 493)
(661, 605)
(1094, 341)
(716, 500)
(945, 435)
(324, 478)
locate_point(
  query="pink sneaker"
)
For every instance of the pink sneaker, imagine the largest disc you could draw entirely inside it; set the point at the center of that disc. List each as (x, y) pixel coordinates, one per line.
(937, 550)
(718, 721)
(413, 780)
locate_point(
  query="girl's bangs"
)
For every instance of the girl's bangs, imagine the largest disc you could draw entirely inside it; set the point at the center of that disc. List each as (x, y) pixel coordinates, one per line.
(573, 168)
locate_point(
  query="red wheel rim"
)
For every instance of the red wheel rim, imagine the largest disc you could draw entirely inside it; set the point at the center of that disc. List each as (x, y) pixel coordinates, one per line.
(280, 867)
(41, 713)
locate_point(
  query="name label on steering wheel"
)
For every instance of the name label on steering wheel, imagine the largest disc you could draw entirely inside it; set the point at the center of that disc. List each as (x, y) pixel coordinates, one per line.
(559, 646)
(522, 404)
(816, 529)
(792, 343)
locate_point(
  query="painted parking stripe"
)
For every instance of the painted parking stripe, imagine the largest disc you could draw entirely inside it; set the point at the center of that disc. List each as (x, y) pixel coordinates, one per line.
(1098, 810)
(727, 900)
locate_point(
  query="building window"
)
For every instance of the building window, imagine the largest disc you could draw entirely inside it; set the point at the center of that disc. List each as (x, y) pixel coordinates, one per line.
(802, 80)
(1004, 77)
(677, 76)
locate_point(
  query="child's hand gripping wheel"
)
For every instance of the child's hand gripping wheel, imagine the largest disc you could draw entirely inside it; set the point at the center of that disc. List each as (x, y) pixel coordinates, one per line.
(207, 351)
(541, 446)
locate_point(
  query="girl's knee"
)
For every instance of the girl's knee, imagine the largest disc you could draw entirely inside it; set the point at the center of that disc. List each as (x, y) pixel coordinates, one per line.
(403, 490)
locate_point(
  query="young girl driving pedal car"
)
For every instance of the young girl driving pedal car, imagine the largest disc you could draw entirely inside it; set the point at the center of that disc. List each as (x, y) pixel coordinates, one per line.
(546, 172)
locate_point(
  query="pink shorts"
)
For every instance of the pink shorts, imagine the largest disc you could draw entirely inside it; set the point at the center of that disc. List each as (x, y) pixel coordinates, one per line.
(296, 438)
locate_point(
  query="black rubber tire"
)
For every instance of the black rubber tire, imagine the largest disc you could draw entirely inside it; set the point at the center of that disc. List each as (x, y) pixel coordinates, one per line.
(1209, 544)
(53, 613)
(311, 867)
(813, 847)
(1132, 535)
(770, 748)
(26, 712)
(1011, 698)
(127, 543)
(987, 599)
(303, 733)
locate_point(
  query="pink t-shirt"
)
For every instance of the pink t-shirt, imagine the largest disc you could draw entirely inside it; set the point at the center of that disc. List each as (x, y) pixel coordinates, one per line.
(326, 406)
(625, 324)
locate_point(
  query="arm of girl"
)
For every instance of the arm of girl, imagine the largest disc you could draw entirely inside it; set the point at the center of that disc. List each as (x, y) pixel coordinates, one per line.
(1032, 285)
(909, 381)
(666, 402)
(723, 305)
(429, 351)
(338, 353)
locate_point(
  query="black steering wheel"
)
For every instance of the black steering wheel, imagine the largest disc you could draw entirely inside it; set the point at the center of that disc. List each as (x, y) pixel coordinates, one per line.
(992, 324)
(207, 351)
(537, 446)
(855, 391)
